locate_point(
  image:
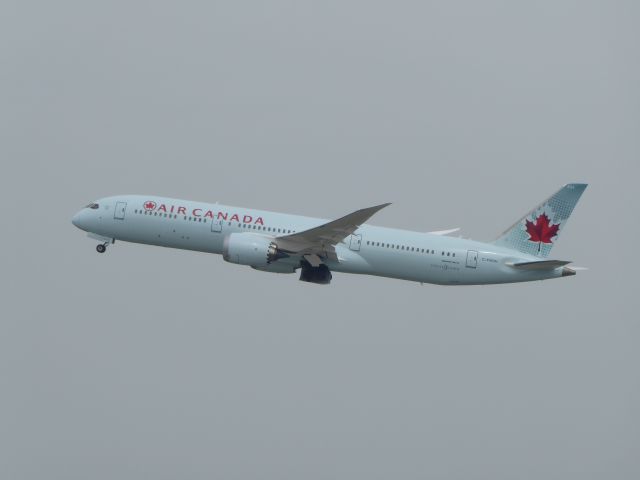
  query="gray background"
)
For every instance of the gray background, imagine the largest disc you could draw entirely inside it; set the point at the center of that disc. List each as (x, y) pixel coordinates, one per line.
(153, 363)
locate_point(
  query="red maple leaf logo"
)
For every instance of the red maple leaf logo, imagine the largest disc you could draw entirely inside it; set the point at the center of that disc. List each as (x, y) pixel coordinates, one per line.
(542, 231)
(149, 205)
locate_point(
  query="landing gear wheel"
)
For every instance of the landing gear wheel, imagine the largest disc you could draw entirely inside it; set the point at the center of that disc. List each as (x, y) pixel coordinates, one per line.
(101, 248)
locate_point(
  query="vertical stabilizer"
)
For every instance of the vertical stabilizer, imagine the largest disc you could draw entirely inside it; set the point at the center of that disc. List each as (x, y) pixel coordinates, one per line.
(538, 230)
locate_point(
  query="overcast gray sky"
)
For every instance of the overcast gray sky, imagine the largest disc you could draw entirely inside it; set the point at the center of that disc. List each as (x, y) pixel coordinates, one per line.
(154, 363)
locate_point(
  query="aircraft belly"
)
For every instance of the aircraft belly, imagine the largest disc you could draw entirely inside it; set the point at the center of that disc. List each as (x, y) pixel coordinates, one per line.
(414, 267)
(349, 261)
(442, 271)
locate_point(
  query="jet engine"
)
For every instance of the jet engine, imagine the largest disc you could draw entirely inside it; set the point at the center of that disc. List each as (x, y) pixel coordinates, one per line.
(250, 249)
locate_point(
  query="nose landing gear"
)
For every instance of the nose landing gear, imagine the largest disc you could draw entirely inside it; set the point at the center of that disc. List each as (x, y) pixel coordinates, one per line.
(104, 241)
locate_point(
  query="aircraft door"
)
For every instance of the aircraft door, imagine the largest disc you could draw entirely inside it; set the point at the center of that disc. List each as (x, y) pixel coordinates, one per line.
(472, 259)
(216, 225)
(118, 213)
(354, 242)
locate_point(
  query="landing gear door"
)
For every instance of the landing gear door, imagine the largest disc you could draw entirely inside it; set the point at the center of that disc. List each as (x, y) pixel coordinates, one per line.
(354, 242)
(121, 208)
(472, 259)
(216, 225)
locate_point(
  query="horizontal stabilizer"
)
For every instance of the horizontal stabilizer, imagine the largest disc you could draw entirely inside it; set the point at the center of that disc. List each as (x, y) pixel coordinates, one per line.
(445, 232)
(541, 265)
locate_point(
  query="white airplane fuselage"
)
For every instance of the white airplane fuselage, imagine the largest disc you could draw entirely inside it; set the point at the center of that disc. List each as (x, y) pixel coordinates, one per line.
(371, 250)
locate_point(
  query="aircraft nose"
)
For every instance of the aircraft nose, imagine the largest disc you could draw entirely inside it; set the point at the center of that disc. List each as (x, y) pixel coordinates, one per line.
(78, 220)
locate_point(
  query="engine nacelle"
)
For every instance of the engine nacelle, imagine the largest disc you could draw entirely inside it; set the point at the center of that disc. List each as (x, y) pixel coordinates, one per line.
(250, 249)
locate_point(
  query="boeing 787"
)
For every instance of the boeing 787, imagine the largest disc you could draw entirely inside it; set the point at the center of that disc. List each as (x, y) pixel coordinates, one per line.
(283, 243)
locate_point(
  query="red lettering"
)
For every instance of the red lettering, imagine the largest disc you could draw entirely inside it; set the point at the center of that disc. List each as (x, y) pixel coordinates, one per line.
(235, 217)
(222, 215)
(247, 219)
(171, 209)
(259, 221)
(198, 210)
(182, 210)
(162, 208)
(209, 214)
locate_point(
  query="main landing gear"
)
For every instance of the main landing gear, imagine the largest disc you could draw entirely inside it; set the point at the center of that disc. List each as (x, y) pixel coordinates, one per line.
(320, 274)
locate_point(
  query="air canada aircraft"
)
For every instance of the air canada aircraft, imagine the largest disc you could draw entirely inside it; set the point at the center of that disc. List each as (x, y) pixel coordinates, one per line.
(282, 243)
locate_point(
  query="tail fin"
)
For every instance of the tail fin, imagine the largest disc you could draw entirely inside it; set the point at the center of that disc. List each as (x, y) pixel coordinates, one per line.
(538, 230)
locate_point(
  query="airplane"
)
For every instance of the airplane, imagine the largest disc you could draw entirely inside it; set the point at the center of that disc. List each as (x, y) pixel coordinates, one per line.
(283, 243)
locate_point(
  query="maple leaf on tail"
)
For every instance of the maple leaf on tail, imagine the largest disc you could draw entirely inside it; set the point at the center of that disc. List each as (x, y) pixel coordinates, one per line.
(542, 231)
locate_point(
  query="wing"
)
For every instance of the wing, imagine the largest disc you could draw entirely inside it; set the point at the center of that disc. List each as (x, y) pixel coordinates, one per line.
(320, 241)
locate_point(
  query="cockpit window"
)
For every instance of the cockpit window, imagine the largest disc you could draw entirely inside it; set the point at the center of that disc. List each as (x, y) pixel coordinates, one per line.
(93, 206)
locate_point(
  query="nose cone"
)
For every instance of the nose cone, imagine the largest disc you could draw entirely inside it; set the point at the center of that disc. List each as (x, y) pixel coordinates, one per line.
(80, 220)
